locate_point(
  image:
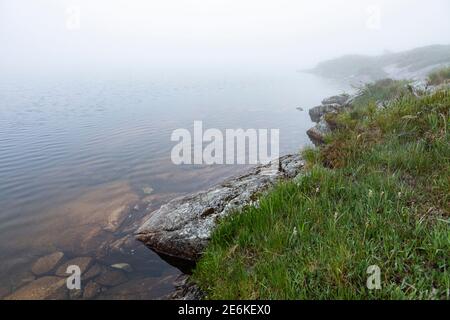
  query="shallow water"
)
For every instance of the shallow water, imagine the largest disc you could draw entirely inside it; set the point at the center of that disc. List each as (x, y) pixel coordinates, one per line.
(74, 148)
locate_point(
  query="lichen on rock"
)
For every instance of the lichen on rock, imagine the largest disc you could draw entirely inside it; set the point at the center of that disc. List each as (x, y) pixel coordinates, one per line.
(182, 228)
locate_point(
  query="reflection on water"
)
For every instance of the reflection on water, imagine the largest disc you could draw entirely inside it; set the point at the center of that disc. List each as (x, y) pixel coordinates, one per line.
(79, 157)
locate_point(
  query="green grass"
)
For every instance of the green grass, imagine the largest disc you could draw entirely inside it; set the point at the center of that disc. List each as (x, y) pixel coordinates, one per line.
(380, 91)
(439, 77)
(377, 193)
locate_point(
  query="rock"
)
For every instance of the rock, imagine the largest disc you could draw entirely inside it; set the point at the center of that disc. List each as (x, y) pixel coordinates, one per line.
(443, 86)
(141, 289)
(84, 226)
(4, 292)
(49, 287)
(111, 278)
(91, 290)
(418, 87)
(339, 99)
(147, 190)
(185, 290)
(47, 263)
(154, 201)
(182, 227)
(75, 294)
(83, 262)
(122, 266)
(300, 109)
(333, 104)
(381, 104)
(22, 278)
(92, 272)
(123, 245)
(317, 133)
(317, 113)
(116, 218)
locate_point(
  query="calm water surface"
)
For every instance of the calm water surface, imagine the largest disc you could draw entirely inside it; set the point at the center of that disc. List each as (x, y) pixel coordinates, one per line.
(73, 147)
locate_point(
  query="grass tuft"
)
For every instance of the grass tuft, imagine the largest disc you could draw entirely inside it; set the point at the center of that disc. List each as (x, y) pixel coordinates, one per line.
(439, 77)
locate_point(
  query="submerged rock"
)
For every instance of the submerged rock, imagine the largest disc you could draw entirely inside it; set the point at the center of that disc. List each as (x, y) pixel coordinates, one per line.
(82, 262)
(140, 289)
(147, 190)
(4, 292)
(182, 227)
(92, 290)
(51, 288)
(111, 278)
(92, 272)
(122, 266)
(47, 263)
(75, 294)
(85, 225)
(124, 244)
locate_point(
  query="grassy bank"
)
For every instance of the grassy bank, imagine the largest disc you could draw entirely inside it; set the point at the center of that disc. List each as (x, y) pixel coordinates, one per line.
(439, 77)
(377, 193)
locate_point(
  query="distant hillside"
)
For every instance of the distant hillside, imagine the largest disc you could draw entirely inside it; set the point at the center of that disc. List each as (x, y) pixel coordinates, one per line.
(413, 64)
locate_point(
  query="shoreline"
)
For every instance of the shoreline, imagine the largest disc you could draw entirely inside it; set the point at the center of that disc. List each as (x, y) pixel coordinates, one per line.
(181, 229)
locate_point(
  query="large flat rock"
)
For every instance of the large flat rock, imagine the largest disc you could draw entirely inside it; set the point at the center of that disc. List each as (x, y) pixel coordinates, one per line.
(45, 288)
(47, 263)
(182, 227)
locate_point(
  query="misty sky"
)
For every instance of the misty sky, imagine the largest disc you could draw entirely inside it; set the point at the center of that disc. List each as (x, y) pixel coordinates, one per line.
(71, 34)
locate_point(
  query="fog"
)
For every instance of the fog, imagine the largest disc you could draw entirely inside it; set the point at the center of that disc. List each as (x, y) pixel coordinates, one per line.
(47, 35)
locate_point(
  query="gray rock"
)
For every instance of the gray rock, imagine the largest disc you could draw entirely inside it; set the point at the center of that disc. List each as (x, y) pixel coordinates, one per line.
(332, 104)
(418, 87)
(182, 227)
(341, 99)
(318, 112)
(185, 290)
(432, 89)
(318, 132)
(382, 104)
